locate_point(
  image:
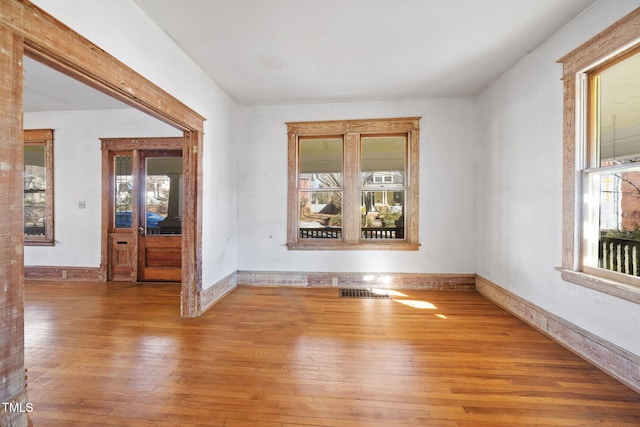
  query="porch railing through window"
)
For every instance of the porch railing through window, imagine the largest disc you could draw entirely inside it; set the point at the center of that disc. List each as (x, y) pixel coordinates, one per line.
(621, 255)
(321, 233)
(378, 233)
(366, 233)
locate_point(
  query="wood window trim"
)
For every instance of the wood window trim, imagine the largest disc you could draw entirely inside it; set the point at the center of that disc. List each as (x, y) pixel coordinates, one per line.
(351, 131)
(43, 137)
(609, 45)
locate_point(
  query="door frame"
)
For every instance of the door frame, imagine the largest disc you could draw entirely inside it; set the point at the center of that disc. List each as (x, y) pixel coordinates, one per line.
(25, 27)
(109, 147)
(33, 31)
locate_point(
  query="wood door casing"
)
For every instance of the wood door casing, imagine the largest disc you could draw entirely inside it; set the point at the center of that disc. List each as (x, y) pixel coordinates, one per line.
(131, 255)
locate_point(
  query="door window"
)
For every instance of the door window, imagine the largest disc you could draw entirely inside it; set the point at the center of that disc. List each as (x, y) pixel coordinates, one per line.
(123, 191)
(163, 196)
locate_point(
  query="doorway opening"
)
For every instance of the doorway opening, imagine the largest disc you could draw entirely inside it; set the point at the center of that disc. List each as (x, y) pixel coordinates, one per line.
(143, 185)
(48, 41)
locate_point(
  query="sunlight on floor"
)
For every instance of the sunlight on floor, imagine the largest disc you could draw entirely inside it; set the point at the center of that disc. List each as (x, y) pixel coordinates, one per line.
(424, 305)
(399, 297)
(389, 292)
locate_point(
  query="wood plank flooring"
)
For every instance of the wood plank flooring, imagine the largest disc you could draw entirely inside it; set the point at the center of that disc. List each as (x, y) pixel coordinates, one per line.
(120, 355)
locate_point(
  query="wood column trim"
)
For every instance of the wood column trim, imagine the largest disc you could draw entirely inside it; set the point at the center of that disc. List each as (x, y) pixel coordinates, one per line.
(12, 374)
(191, 304)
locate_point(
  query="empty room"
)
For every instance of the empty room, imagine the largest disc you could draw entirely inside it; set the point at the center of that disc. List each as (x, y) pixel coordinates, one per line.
(304, 213)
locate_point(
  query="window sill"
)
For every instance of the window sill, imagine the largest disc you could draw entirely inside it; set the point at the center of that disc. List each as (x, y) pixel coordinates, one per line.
(607, 286)
(403, 246)
(39, 243)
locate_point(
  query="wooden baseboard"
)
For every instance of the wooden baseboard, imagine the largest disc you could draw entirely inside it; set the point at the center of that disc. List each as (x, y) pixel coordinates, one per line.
(208, 297)
(57, 273)
(615, 361)
(449, 282)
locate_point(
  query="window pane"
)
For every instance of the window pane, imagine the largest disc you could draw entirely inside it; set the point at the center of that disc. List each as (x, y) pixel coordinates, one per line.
(382, 214)
(383, 160)
(619, 230)
(320, 214)
(35, 185)
(123, 183)
(320, 162)
(163, 196)
(619, 118)
(383, 165)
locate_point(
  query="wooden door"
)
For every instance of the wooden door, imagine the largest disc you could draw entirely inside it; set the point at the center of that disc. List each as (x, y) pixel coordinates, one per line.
(144, 213)
(160, 216)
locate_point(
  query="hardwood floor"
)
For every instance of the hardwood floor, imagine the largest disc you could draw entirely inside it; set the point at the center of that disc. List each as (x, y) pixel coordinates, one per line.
(120, 355)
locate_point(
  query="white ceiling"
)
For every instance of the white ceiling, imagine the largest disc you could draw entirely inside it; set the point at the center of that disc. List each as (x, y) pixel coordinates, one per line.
(302, 51)
(306, 51)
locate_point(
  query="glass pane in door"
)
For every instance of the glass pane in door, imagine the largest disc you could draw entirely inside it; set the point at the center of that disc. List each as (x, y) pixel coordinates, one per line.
(163, 195)
(123, 191)
(35, 184)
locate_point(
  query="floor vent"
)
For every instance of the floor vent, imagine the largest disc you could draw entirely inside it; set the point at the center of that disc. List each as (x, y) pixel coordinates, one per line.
(362, 293)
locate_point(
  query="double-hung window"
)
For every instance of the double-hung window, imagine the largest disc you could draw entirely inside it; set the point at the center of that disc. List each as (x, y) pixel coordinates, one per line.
(38, 187)
(353, 184)
(601, 207)
(611, 177)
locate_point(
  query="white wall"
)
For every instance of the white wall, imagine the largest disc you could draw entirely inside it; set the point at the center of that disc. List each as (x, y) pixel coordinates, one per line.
(447, 200)
(519, 186)
(121, 28)
(78, 177)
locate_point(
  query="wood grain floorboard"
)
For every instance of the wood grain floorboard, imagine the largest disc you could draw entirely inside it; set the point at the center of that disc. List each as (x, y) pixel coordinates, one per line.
(119, 354)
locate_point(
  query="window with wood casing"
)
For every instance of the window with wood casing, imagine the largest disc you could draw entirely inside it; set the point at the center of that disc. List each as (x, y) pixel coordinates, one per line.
(38, 187)
(601, 206)
(611, 173)
(353, 184)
